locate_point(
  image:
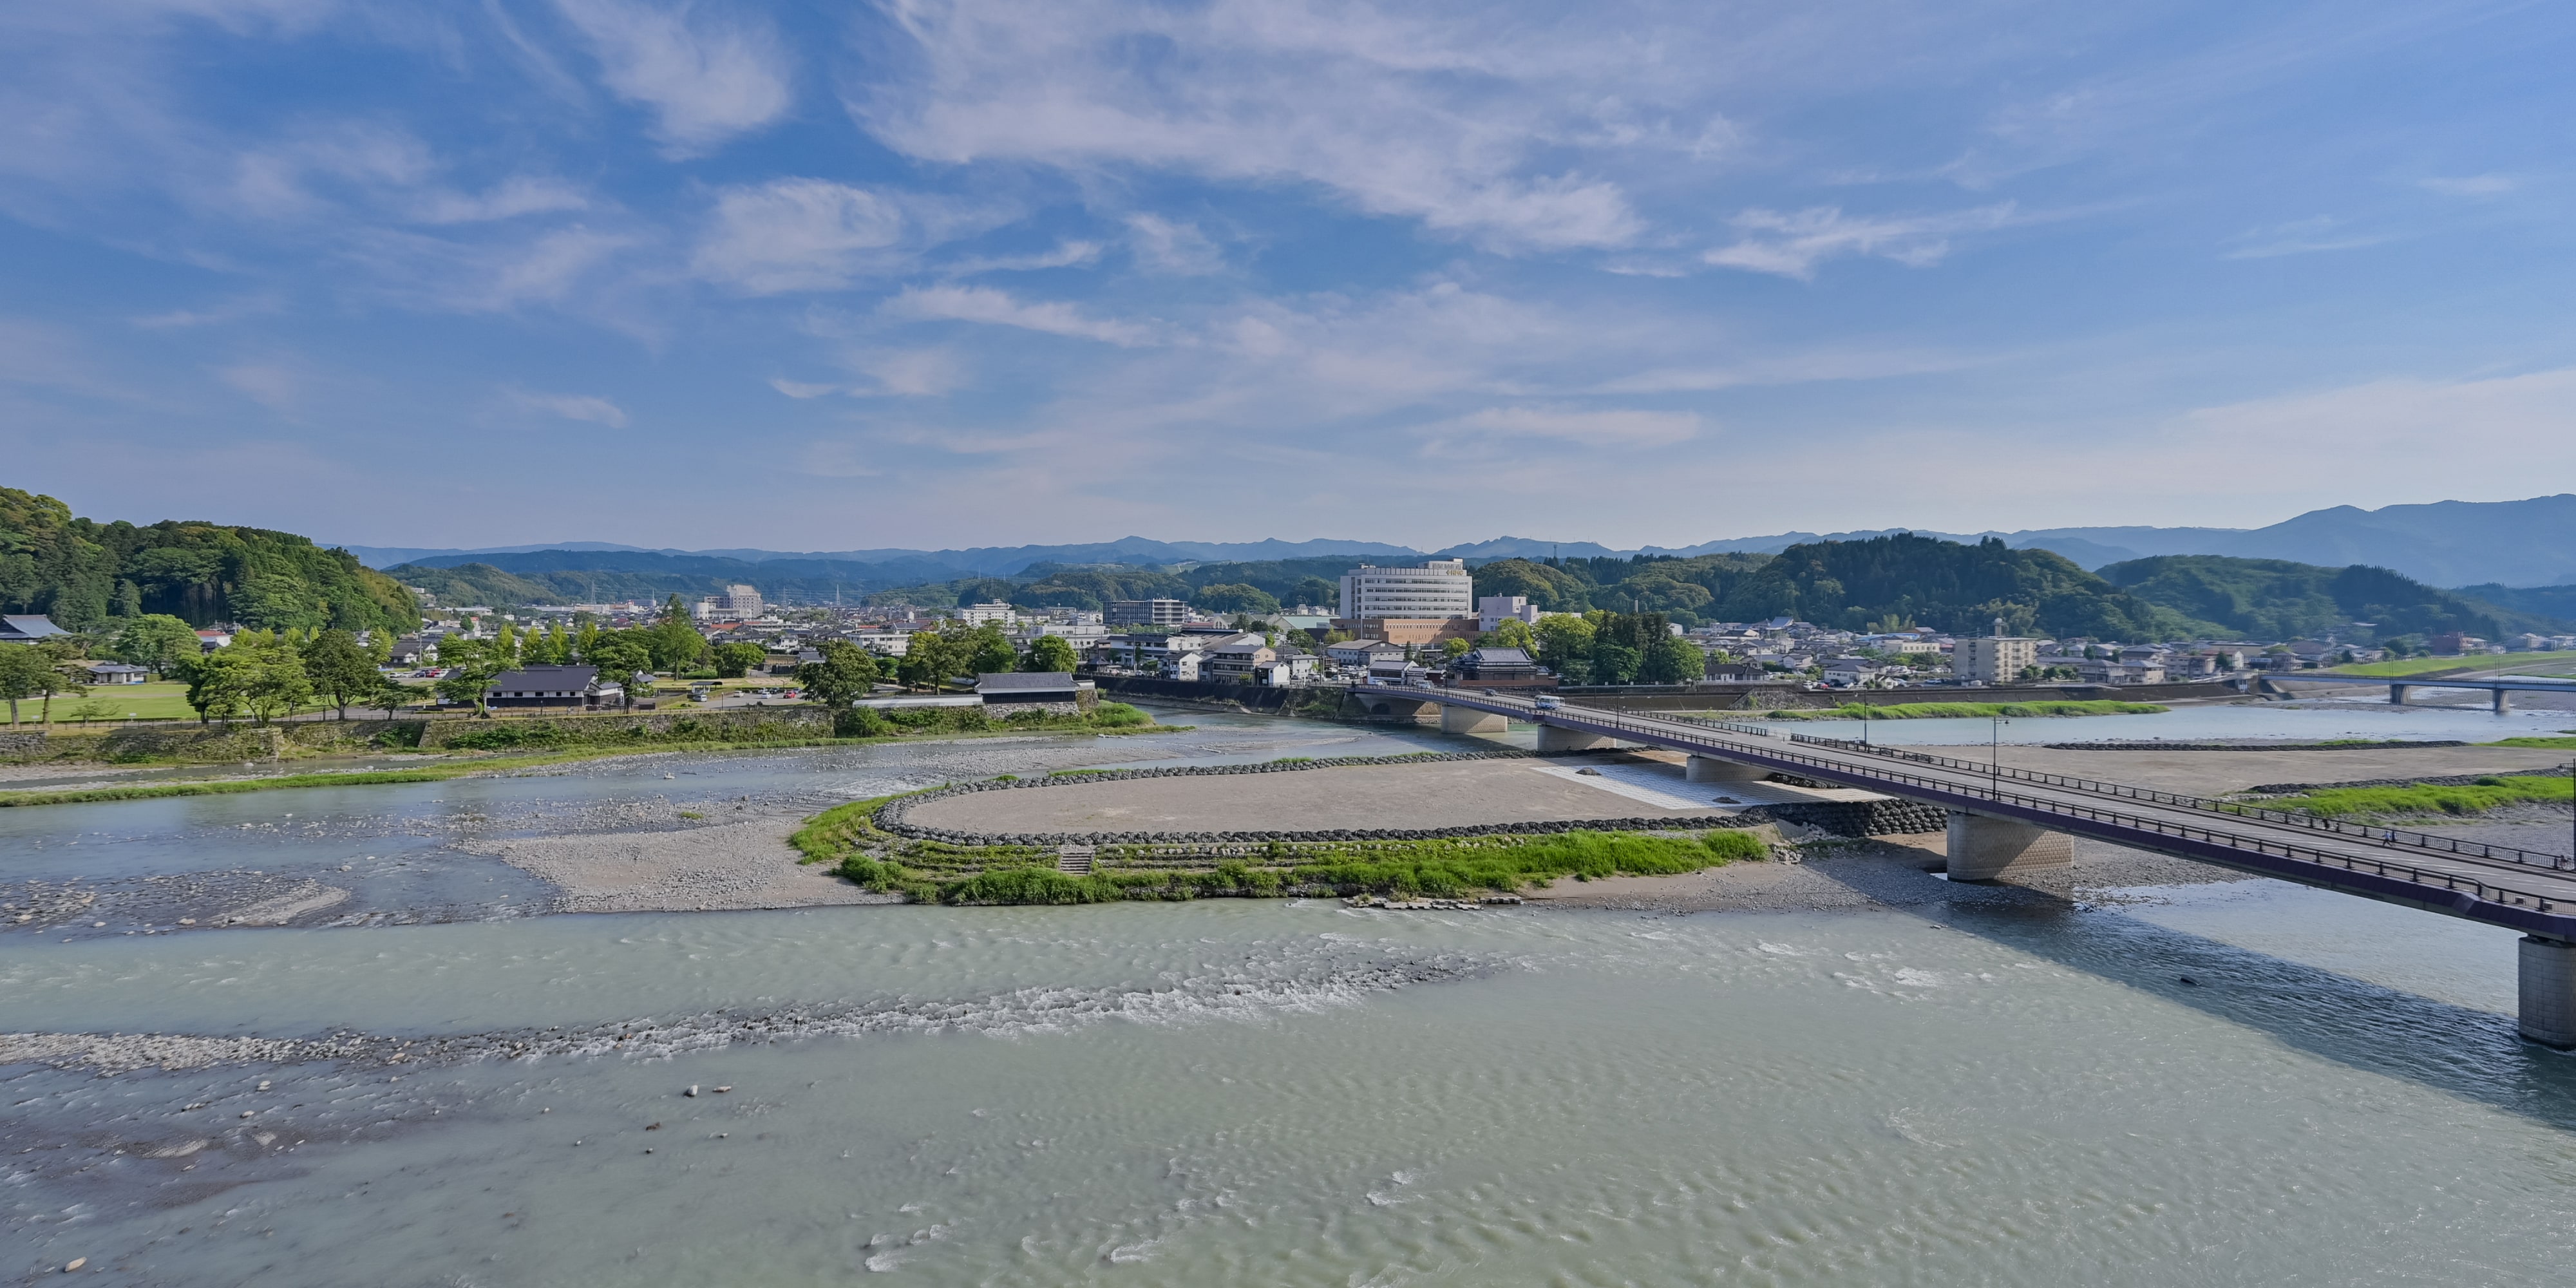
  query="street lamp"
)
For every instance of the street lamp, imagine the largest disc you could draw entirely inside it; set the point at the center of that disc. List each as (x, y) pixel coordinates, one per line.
(1995, 750)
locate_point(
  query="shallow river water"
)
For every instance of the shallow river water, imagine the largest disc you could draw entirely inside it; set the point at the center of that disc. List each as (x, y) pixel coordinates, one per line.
(1252, 1092)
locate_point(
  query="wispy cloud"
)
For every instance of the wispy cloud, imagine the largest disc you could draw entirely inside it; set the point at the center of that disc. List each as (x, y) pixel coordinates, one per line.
(523, 195)
(275, 386)
(2303, 237)
(798, 235)
(582, 407)
(1067, 254)
(706, 78)
(1793, 243)
(1173, 247)
(998, 308)
(1591, 426)
(2474, 185)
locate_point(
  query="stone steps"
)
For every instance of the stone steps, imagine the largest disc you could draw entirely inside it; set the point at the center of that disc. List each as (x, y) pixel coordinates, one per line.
(1074, 860)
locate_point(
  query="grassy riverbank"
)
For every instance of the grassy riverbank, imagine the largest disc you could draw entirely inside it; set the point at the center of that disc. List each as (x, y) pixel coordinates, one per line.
(931, 872)
(625, 742)
(2429, 801)
(1967, 710)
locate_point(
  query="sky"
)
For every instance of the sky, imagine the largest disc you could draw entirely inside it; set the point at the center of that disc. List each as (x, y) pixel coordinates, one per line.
(841, 276)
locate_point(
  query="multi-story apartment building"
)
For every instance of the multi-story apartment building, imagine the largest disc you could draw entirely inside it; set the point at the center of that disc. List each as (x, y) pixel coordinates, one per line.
(1145, 612)
(1440, 588)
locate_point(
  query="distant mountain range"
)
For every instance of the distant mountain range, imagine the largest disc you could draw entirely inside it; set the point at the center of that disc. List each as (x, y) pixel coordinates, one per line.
(2446, 543)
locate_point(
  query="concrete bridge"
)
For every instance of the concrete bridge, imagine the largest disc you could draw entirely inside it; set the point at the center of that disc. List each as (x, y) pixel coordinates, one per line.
(2399, 688)
(2005, 821)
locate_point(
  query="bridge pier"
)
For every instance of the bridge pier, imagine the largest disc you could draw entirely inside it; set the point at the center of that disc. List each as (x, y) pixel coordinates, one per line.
(1470, 720)
(1551, 738)
(2397, 694)
(2549, 992)
(1982, 848)
(1710, 769)
(2503, 701)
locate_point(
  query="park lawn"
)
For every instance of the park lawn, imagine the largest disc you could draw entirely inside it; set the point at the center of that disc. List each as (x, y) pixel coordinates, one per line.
(2427, 801)
(2402, 667)
(151, 700)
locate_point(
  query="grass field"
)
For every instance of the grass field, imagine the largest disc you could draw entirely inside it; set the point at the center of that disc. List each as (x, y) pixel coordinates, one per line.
(2424, 802)
(2406, 666)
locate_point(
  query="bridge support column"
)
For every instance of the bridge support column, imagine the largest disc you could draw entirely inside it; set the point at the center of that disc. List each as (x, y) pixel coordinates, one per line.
(2549, 992)
(1710, 769)
(1982, 848)
(2397, 694)
(1551, 738)
(1470, 720)
(2503, 701)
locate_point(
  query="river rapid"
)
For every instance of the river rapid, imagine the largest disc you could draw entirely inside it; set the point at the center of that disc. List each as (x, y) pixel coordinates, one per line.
(1231, 1091)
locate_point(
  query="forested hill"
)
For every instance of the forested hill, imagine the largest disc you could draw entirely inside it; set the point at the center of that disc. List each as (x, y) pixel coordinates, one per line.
(2277, 599)
(1892, 580)
(85, 574)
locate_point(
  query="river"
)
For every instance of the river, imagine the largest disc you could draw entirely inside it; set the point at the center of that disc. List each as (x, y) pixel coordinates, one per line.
(1237, 1091)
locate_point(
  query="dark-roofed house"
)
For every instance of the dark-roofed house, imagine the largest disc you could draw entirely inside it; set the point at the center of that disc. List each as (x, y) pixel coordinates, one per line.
(550, 686)
(1054, 692)
(28, 629)
(1494, 667)
(118, 673)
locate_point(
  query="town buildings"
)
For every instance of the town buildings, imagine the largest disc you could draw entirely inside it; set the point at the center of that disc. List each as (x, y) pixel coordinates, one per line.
(1993, 659)
(1145, 612)
(1440, 588)
(550, 686)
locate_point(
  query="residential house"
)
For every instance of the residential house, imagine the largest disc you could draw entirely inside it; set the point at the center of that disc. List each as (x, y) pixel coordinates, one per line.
(1360, 655)
(1851, 672)
(118, 673)
(414, 650)
(27, 629)
(1494, 666)
(550, 686)
(1235, 658)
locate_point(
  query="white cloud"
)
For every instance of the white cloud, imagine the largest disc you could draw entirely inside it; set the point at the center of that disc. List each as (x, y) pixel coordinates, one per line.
(581, 407)
(801, 389)
(2475, 185)
(798, 235)
(1793, 243)
(232, 311)
(1449, 121)
(707, 79)
(2303, 237)
(1173, 247)
(523, 195)
(1595, 427)
(1067, 254)
(998, 308)
(273, 386)
(912, 372)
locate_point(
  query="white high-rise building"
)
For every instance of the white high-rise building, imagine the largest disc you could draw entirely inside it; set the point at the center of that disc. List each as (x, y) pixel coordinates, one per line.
(1494, 610)
(1440, 588)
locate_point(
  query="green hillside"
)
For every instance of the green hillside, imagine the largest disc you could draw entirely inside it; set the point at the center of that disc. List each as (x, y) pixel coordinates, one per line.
(1853, 584)
(2277, 599)
(84, 574)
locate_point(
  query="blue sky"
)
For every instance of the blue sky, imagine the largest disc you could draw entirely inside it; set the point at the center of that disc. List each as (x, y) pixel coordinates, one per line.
(923, 274)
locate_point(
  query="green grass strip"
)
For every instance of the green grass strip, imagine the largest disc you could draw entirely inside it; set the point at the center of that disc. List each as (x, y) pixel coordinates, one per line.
(2404, 802)
(1967, 710)
(2563, 743)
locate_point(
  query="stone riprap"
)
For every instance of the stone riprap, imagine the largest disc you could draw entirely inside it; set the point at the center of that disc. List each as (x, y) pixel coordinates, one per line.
(1850, 818)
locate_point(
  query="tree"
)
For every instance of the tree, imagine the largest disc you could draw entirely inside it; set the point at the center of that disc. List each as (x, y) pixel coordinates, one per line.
(19, 666)
(1565, 646)
(391, 694)
(340, 668)
(846, 674)
(1454, 649)
(1235, 598)
(930, 660)
(622, 659)
(735, 660)
(1049, 653)
(50, 680)
(675, 645)
(275, 601)
(471, 666)
(218, 684)
(1511, 632)
(988, 650)
(275, 681)
(156, 640)
(1673, 660)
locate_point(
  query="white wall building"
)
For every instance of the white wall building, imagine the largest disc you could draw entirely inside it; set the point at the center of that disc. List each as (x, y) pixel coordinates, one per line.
(996, 613)
(1440, 588)
(1494, 610)
(1993, 659)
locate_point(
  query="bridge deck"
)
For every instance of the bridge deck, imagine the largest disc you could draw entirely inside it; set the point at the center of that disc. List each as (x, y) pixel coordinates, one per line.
(2523, 890)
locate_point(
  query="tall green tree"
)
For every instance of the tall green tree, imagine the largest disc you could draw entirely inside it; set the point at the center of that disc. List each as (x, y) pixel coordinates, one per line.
(340, 668)
(276, 682)
(219, 685)
(1673, 660)
(470, 666)
(988, 650)
(1565, 646)
(156, 640)
(1050, 653)
(622, 660)
(930, 660)
(846, 674)
(734, 660)
(20, 669)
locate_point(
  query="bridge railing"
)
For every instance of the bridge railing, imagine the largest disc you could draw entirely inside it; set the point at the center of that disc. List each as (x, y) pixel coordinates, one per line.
(2313, 822)
(1652, 726)
(2455, 882)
